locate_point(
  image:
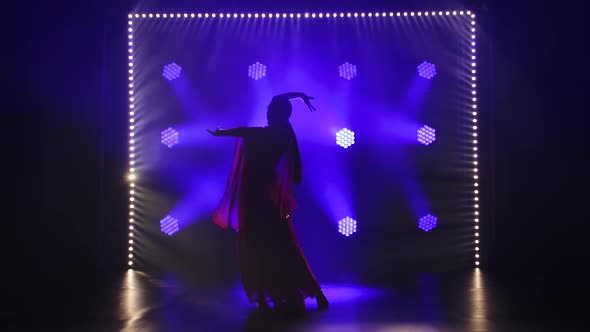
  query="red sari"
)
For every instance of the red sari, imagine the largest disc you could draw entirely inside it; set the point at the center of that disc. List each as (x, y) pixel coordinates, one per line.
(258, 203)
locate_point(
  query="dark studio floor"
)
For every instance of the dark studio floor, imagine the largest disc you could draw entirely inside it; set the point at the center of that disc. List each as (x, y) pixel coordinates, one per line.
(463, 301)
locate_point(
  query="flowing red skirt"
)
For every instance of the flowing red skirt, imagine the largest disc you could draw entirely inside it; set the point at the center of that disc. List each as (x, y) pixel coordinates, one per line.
(272, 264)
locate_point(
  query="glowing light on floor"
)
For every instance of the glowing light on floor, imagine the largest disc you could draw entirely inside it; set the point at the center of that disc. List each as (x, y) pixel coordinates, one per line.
(345, 138)
(257, 71)
(427, 70)
(347, 71)
(347, 226)
(169, 225)
(426, 135)
(427, 223)
(172, 71)
(170, 137)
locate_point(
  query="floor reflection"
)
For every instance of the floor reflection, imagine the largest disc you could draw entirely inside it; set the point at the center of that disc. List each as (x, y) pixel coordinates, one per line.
(477, 295)
(427, 302)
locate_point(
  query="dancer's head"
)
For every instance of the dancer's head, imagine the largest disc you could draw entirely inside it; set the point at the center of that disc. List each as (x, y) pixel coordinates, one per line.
(279, 111)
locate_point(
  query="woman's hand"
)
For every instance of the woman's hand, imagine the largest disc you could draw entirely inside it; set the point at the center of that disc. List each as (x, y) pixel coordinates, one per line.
(217, 132)
(294, 95)
(306, 100)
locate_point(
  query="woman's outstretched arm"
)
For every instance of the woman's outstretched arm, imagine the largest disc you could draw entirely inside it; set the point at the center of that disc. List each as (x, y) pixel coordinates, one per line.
(239, 131)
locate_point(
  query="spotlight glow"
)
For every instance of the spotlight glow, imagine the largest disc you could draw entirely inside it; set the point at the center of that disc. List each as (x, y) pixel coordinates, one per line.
(347, 71)
(169, 225)
(170, 137)
(347, 226)
(256, 71)
(427, 223)
(426, 70)
(345, 138)
(172, 71)
(426, 135)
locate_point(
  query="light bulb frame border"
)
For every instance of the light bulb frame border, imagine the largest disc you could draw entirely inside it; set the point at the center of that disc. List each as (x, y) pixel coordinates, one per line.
(131, 17)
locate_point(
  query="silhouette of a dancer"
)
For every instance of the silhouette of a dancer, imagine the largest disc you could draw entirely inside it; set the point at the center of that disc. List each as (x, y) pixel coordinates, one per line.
(258, 203)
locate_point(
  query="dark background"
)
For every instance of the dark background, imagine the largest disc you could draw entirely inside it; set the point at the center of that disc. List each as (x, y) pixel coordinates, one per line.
(64, 92)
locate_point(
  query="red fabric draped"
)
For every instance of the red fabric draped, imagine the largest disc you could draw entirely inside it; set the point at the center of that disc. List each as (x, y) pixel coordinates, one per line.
(227, 213)
(258, 205)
